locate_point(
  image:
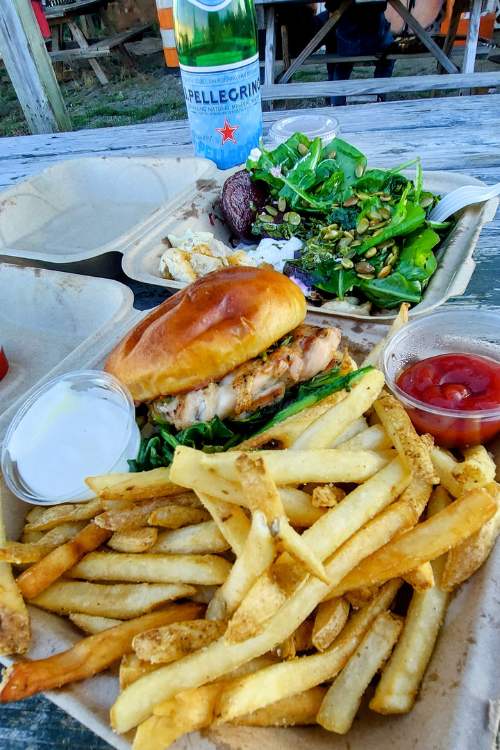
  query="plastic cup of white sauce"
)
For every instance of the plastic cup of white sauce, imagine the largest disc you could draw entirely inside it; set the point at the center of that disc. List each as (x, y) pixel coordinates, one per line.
(72, 427)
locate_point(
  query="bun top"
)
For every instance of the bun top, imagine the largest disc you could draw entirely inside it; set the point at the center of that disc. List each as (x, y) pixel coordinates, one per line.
(206, 330)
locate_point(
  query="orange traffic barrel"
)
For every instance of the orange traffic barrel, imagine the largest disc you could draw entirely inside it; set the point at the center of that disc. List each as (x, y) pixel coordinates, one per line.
(166, 19)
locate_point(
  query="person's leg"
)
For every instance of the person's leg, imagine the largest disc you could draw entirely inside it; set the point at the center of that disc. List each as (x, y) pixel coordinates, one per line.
(341, 72)
(384, 67)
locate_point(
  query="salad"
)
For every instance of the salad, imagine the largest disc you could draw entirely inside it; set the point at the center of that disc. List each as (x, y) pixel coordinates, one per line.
(366, 238)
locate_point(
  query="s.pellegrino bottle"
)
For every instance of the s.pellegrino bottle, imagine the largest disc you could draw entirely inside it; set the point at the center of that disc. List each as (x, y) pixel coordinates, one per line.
(219, 60)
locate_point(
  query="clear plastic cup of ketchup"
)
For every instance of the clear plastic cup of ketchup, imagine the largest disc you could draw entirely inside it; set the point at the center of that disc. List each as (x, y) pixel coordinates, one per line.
(445, 370)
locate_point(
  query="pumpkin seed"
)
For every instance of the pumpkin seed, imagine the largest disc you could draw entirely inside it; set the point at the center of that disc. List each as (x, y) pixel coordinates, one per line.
(352, 201)
(364, 267)
(348, 233)
(282, 205)
(294, 219)
(362, 225)
(384, 197)
(385, 271)
(347, 263)
(392, 258)
(302, 149)
(385, 213)
(360, 170)
(271, 210)
(363, 196)
(426, 201)
(344, 243)
(331, 234)
(378, 224)
(356, 243)
(371, 252)
(266, 218)
(374, 214)
(367, 276)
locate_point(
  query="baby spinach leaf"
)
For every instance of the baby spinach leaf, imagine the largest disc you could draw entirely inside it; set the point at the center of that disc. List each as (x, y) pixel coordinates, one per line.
(417, 261)
(391, 291)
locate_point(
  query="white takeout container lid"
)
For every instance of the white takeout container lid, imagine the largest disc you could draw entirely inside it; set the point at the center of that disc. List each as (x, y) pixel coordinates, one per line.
(325, 127)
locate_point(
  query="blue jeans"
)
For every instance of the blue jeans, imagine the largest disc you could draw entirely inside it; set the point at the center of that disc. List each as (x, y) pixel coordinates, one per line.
(356, 44)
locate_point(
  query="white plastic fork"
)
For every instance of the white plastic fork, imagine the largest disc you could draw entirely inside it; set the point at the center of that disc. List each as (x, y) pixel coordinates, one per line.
(461, 197)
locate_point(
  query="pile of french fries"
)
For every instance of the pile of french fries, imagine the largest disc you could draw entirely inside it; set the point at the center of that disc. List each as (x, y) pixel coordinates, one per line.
(260, 587)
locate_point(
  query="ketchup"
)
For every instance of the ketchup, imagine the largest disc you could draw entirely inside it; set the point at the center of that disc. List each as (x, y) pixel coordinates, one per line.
(4, 365)
(458, 382)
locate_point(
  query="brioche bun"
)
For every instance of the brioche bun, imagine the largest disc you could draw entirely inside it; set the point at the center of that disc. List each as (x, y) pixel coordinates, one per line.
(206, 330)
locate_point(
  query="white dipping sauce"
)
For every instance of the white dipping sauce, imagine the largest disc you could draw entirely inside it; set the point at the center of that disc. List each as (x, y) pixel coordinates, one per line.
(70, 432)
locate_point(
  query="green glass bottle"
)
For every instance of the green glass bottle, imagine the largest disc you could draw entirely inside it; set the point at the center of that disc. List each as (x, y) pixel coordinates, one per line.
(219, 61)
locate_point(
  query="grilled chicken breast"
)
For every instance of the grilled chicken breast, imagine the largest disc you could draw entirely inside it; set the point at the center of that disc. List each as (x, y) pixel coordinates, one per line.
(305, 352)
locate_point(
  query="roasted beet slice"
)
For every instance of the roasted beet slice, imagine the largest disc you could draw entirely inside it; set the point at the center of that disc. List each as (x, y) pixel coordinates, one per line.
(241, 199)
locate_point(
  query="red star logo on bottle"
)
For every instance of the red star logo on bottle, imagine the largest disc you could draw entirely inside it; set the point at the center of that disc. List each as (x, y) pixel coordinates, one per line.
(227, 132)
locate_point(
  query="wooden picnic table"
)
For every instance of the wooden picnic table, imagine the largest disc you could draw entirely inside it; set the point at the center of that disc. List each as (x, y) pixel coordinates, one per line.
(459, 134)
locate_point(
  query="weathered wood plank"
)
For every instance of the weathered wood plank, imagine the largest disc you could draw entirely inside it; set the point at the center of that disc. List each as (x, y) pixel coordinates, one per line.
(315, 41)
(270, 47)
(424, 36)
(469, 60)
(79, 38)
(316, 89)
(30, 70)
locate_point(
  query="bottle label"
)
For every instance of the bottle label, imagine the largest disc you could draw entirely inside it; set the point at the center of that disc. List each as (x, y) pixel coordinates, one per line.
(224, 110)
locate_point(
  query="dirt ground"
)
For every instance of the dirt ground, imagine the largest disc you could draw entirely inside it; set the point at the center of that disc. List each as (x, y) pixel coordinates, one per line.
(149, 92)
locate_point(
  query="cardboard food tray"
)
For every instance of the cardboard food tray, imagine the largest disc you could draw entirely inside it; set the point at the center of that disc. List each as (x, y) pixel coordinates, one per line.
(49, 319)
(192, 210)
(459, 704)
(78, 210)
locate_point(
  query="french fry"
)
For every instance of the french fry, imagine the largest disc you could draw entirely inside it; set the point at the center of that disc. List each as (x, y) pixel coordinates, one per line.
(303, 636)
(57, 515)
(42, 574)
(445, 465)
(143, 485)
(299, 508)
(329, 622)
(88, 657)
(261, 492)
(197, 539)
(20, 553)
(132, 668)
(477, 470)
(374, 438)
(420, 578)
(191, 710)
(17, 553)
(401, 319)
(136, 703)
(285, 467)
(133, 540)
(296, 710)
(331, 531)
(135, 516)
(281, 680)
(174, 517)
(359, 425)
(341, 703)
(92, 624)
(256, 557)
(360, 597)
(332, 423)
(262, 601)
(464, 559)
(15, 630)
(122, 601)
(152, 568)
(232, 522)
(400, 430)
(327, 496)
(397, 690)
(170, 642)
(425, 542)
